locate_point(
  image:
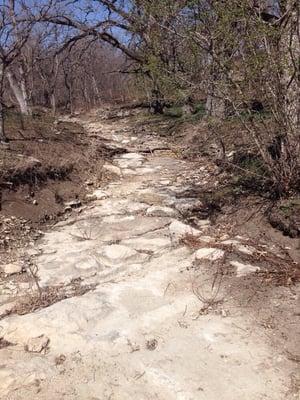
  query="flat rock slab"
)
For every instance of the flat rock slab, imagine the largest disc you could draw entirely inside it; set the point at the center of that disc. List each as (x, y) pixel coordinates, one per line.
(148, 244)
(116, 254)
(76, 250)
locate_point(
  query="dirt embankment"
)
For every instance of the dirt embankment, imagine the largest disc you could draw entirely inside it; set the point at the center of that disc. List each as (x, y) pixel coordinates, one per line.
(236, 191)
(45, 172)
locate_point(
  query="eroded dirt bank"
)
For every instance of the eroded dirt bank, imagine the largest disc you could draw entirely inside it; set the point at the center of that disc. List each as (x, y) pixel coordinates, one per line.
(126, 300)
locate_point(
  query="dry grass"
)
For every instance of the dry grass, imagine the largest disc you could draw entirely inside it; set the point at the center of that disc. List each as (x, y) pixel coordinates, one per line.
(275, 269)
(45, 297)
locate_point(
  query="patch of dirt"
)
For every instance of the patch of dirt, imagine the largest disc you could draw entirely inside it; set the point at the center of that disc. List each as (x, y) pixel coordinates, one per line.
(249, 216)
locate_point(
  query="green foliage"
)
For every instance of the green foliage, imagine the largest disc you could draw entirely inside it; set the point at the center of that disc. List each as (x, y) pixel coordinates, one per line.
(199, 109)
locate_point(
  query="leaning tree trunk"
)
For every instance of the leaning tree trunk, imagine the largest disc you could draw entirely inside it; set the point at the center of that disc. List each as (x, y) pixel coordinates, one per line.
(3, 137)
(20, 92)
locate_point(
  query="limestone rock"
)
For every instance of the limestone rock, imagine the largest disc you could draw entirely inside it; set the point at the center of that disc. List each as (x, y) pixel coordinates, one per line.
(11, 269)
(246, 249)
(148, 244)
(8, 380)
(73, 204)
(113, 169)
(129, 172)
(187, 205)
(117, 254)
(7, 308)
(97, 195)
(244, 269)
(231, 242)
(179, 229)
(209, 253)
(165, 182)
(37, 344)
(133, 156)
(201, 223)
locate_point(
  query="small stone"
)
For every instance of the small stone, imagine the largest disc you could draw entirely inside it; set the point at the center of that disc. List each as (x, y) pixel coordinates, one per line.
(59, 360)
(224, 313)
(113, 169)
(35, 203)
(97, 195)
(245, 249)
(165, 182)
(38, 344)
(179, 230)
(188, 205)
(157, 211)
(73, 204)
(151, 344)
(203, 223)
(133, 346)
(244, 269)
(209, 253)
(6, 308)
(231, 242)
(12, 268)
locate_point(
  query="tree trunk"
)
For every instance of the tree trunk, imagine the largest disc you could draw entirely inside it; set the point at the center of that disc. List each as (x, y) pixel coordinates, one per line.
(53, 103)
(215, 106)
(20, 92)
(96, 91)
(3, 137)
(215, 103)
(291, 75)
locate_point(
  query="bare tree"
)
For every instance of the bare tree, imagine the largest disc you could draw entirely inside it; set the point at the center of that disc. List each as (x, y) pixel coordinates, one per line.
(15, 28)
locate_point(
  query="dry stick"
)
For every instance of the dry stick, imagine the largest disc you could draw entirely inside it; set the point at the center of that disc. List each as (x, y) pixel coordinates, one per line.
(35, 278)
